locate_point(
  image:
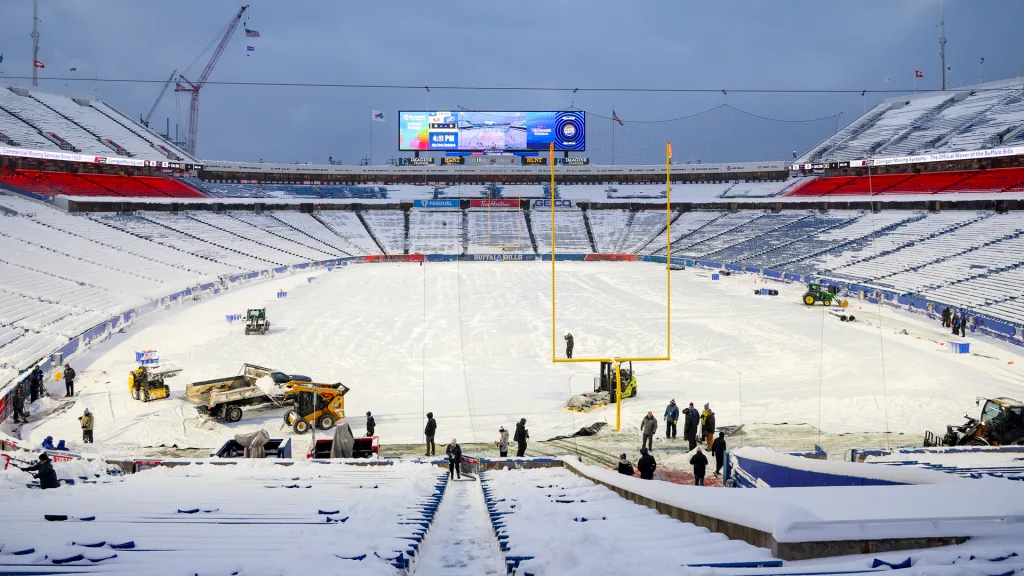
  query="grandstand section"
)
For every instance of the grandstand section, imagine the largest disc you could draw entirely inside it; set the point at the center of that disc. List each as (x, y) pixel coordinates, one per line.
(51, 183)
(962, 181)
(970, 118)
(40, 120)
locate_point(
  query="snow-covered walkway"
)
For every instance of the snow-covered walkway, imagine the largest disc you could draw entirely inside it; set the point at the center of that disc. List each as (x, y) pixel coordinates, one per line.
(461, 540)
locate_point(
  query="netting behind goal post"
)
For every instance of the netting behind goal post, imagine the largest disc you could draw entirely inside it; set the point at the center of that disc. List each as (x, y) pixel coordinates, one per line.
(617, 323)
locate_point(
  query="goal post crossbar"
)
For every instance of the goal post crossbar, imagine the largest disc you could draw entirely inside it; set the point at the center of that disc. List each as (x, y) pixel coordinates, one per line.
(615, 361)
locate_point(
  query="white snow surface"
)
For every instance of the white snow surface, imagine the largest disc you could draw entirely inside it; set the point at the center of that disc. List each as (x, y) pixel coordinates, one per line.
(986, 508)
(255, 517)
(471, 342)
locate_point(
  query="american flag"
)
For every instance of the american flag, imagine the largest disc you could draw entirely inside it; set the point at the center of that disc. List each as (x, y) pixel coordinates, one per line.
(918, 74)
(616, 118)
(251, 33)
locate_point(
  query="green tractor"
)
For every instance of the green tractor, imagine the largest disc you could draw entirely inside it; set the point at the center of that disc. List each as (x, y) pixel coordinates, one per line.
(815, 294)
(256, 321)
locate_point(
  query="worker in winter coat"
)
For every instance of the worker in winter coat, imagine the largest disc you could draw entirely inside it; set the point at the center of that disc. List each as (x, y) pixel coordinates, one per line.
(44, 472)
(502, 443)
(371, 424)
(18, 405)
(671, 417)
(69, 380)
(718, 449)
(699, 462)
(87, 421)
(646, 465)
(35, 384)
(947, 314)
(521, 436)
(429, 431)
(454, 453)
(648, 426)
(625, 467)
(956, 324)
(707, 421)
(691, 419)
(568, 345)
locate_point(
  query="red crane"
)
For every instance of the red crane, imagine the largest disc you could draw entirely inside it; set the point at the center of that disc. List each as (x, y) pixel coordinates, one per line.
(186, 85)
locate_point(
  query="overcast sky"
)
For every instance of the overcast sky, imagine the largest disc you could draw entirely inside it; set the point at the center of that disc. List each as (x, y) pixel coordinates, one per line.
(731, 44)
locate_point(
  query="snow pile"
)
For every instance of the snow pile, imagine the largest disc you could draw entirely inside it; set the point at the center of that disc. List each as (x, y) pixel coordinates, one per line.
(251, 517)
(268, 386)
(573, 527)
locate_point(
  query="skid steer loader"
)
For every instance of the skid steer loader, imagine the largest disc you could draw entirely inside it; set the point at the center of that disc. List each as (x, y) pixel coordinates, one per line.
(604, 388)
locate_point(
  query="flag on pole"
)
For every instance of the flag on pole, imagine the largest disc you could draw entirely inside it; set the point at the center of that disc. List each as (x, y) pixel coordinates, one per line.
(250, 48)
(1, 57)
(251, 33)
(616, 118)
(918, 74)
(72, 69)
(39, 64)
(376, 115)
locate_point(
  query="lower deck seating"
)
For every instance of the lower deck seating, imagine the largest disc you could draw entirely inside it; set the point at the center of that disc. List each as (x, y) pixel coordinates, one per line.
(71, 184)
(996, 180)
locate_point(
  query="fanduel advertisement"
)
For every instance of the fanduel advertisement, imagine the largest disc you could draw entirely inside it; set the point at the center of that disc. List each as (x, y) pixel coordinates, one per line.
(446, 131)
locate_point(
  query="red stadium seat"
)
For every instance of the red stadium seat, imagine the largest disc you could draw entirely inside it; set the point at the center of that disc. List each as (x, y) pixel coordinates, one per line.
(54, 183)
(998, 180)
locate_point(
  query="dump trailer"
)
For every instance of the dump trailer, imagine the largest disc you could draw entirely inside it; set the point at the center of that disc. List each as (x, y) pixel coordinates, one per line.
(1001, 423)
(225, 397)
(604, 388)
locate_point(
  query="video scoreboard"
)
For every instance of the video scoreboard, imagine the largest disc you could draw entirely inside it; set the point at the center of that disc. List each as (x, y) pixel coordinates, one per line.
(465, 131)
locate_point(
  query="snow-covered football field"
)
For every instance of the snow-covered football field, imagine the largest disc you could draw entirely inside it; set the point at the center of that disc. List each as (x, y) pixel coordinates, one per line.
(471, 342)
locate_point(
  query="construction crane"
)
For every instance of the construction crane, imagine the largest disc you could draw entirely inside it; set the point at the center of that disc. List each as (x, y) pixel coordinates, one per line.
(186, 85)
(167, 84)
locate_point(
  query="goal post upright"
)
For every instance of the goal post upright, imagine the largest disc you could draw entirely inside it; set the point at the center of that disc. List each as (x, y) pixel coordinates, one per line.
(615, 361)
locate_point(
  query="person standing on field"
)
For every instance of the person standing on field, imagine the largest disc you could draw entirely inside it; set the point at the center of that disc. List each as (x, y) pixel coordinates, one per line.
(429, 433)
(648, 426)
(699, 462)
(568, 345)
(36, 384)
(708, 425)
(502, 443)
(69, 380)
(718, 449)
(454, 453)
(87, 423)
(646, 465)
(371, 424)
(671, 417)
(521, 436)
(691, 420)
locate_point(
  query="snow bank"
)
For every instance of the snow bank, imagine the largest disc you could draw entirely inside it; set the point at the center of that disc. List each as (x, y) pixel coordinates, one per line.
(982, 508)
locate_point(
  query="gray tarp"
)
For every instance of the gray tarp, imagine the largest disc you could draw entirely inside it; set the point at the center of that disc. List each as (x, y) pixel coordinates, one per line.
(344, 441)
(253, 443)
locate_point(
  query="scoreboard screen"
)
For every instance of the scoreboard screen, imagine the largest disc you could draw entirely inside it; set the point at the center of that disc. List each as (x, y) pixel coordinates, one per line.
(448, 131)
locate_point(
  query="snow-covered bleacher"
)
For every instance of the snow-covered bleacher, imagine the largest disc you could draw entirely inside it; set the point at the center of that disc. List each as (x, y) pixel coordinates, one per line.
(316, 229)
(41, 120)
(687, 223)
(435, 232)
(492, 231)
(776, 233)
(716, 227)
(570, 230)
(969, 118)
(294, 238)
(346, 225)
(609, 227)
(388, 226)
(755, 229)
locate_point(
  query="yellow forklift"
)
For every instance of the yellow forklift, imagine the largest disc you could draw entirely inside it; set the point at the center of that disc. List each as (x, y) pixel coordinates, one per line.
(146, 383)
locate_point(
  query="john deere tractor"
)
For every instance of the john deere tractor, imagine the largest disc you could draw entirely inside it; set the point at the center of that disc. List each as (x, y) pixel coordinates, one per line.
(827, 296)
(256, 321)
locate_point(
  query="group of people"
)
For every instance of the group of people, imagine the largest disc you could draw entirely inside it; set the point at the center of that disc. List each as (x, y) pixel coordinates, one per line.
(37, 390)
(953, 319)
(521, 436)
(694, 422)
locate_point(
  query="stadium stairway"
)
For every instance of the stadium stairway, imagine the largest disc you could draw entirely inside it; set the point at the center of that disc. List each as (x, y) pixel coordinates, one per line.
(529, 230)
(369, 231)
(590, 231)
(661, 231)
(625, 231)
(464, 214)
(405, 231)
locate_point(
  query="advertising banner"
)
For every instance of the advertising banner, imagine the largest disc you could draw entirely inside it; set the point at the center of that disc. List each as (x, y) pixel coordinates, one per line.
(452, 204)
(560, 204)
(494, 203)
